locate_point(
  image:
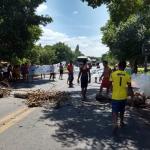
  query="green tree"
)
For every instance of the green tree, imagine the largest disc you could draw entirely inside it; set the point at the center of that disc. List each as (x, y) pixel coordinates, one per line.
(62, 52)
(48, 55)
(35, 54)
(96, 3)
(77, 52)
(110, 58)
(127, 29)
(19, 27)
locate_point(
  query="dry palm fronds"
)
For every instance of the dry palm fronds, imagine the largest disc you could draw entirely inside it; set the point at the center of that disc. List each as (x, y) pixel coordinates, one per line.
(40, 98)
(4, 89)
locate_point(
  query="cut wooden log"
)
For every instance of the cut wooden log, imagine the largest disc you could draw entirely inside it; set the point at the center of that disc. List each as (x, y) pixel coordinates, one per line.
(23, 95)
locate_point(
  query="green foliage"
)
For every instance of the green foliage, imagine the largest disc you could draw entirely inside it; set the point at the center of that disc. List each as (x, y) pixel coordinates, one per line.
(125, 41)
(127, 29)
(34, 54)
(18, 61)
(77, 52)
(19, 27)
(50, 54)
(62, 52)
(96, 3)
(110, 58)
(120, 10)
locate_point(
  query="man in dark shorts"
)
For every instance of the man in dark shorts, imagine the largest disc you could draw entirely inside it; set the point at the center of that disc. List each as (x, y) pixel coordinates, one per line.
(61, 71)
(120, 80)
(85, 76)
(70, 69)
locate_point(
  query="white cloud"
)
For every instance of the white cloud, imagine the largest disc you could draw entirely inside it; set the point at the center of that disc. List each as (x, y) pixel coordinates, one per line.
(42, 8)
(90, 46)
(75, 12)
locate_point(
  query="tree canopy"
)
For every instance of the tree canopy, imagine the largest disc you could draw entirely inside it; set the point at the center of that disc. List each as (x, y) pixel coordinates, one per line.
(51, 54)
(19, 27)
(127, 28)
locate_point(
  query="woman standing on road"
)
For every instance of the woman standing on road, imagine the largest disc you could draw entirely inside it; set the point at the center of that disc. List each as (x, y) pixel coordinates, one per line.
(85, 76)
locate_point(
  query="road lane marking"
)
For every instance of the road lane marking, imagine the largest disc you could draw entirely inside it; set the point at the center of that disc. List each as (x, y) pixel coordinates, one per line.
(14, 118)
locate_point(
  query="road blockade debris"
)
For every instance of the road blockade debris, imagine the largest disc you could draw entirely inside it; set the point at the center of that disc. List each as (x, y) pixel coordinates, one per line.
(138, 100)
(41, 98)
(4, 89)
(23, 95)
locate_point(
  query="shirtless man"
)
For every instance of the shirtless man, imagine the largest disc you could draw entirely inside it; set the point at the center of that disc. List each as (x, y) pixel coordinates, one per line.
(105, 77)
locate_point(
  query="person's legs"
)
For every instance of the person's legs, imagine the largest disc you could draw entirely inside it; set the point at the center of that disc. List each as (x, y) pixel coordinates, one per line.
(115, 121)
(115, 109)
(71, 79)
(62, 76)
(53, 76)
(95, 79)
(82, 92)
(101, 89)
(85, 91)
(121, 119)
(84, 84)
(50, 76)
(107, 91)
(122, 110)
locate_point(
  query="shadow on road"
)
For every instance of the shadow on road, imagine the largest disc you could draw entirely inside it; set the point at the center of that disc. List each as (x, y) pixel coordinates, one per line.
(31, 84)
(90, 123)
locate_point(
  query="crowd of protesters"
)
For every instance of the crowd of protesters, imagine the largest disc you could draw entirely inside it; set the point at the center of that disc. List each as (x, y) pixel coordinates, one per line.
(14, 72)
(22, 72)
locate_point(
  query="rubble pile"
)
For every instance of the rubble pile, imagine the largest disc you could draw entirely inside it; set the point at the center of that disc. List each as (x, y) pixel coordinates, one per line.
(4, 89)
(139, 100)
(4, 92)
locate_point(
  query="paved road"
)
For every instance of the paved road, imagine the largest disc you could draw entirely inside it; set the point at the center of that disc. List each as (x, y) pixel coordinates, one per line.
(75, 126)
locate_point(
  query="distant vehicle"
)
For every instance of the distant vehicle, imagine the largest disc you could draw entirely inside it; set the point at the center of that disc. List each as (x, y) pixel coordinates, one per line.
(80, 60)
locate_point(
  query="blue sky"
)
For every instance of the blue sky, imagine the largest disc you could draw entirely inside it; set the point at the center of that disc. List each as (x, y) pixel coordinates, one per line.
(74, 23)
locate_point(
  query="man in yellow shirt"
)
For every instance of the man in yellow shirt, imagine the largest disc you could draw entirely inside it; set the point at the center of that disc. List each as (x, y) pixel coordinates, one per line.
(121, 82)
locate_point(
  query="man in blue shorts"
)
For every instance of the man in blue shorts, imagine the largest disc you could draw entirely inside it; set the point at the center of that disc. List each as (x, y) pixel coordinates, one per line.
(121, 83)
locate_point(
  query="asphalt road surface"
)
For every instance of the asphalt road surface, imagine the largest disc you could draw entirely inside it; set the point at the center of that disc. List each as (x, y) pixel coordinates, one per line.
(76, 125)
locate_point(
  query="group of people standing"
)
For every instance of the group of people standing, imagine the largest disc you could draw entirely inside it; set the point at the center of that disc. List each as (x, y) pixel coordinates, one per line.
(53, 73)
(14, 72)
(116, 81)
